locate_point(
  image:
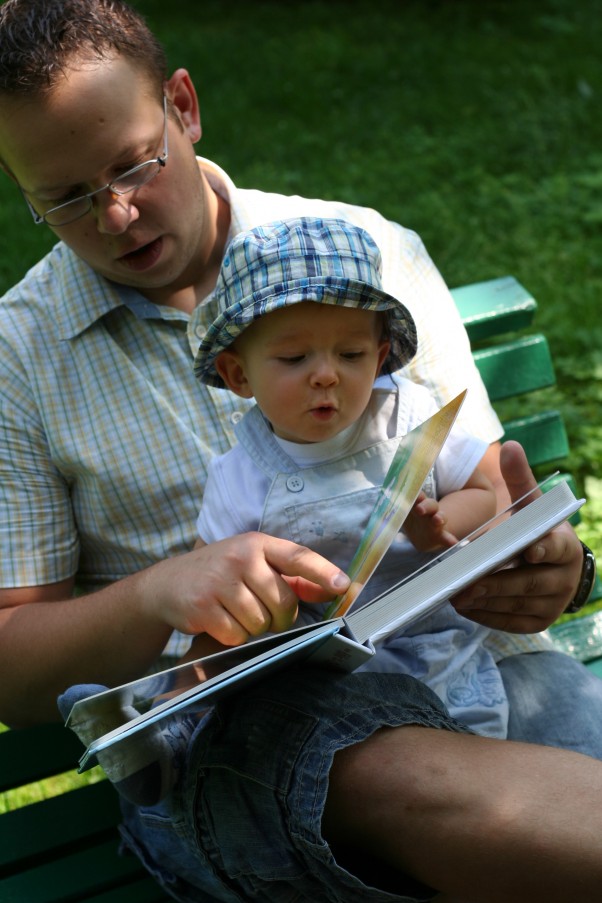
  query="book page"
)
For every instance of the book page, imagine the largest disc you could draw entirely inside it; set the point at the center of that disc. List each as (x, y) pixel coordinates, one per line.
(414, 458)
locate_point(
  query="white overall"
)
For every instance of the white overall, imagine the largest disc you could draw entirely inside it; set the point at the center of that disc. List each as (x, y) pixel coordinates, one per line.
(326, 507)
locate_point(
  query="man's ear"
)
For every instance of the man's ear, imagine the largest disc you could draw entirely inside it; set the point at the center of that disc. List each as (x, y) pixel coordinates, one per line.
(230, 367)
(180, 90)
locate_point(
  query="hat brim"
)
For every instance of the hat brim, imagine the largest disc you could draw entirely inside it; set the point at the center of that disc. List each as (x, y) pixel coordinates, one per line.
(343, 292)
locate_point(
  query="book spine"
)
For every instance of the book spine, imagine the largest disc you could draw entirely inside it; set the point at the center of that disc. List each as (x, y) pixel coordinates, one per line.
(341, 653)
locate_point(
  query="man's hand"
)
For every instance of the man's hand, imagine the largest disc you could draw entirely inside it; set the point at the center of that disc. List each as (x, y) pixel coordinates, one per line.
(240, 587)
(529, 597)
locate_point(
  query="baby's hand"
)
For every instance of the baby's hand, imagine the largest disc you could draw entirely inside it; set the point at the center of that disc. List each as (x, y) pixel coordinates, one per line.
(425, 526)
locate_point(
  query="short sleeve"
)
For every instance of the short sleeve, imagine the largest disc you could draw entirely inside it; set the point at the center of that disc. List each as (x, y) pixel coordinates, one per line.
(37, 530)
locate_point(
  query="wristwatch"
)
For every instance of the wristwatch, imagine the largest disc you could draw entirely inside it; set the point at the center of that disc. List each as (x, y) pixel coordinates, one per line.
(586, 582)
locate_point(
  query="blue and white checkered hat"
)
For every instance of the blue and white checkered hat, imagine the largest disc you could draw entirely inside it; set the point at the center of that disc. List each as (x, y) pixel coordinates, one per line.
(328, 261)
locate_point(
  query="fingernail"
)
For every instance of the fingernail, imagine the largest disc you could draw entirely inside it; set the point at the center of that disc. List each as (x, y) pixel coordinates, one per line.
(340, 581)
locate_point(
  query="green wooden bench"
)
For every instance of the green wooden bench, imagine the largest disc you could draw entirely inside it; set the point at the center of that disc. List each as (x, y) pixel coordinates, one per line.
(519, 365)
(65, 849)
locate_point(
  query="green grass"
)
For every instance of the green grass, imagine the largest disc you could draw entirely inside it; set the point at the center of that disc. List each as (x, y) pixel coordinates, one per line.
(42, 790)
(474, 122)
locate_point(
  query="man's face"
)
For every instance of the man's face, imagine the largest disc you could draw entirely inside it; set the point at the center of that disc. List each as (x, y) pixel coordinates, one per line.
(101, 120)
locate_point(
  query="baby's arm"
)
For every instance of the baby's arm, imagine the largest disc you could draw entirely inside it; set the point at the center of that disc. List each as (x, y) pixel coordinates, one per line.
(432, 525)
(469, 507)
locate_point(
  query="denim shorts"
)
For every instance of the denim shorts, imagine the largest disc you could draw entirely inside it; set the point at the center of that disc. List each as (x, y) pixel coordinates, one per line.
(244, 822)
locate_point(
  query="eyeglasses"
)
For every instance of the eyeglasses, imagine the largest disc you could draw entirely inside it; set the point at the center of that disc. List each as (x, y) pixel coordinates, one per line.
(134, 178)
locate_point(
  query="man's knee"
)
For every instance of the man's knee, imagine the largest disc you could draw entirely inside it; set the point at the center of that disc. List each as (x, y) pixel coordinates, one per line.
(396, 775)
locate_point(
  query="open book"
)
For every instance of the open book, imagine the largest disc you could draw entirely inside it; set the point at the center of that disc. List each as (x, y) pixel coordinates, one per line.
(345, 641)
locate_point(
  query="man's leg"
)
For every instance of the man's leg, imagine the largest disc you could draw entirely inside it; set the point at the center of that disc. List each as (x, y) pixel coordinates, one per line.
(486, 821)
(554, 700)
(478, 820)
(244, 822)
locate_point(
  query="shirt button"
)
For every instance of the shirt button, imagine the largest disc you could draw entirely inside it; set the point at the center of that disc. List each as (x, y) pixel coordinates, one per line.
(295, 483)
(236, 416)
(199, 332)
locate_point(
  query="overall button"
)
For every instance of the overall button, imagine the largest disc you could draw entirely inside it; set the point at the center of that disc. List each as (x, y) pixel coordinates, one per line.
(295, 483)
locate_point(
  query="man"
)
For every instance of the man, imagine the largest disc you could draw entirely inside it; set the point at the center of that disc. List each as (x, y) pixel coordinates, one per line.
(105, 442)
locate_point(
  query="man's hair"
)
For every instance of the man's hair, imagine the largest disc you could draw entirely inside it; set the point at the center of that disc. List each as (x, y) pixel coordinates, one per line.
(40, 38)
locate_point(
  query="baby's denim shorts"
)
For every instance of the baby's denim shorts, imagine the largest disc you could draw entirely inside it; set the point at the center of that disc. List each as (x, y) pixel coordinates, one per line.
(244, 822)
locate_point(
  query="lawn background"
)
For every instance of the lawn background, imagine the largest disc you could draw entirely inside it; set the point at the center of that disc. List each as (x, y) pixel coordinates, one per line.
(475, 122)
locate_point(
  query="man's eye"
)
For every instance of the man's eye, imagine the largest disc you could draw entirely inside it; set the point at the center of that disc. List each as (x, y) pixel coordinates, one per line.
(65, 198)
(124, 170)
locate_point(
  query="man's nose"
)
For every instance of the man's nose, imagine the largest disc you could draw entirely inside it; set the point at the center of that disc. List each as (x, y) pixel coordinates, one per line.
(114, 212)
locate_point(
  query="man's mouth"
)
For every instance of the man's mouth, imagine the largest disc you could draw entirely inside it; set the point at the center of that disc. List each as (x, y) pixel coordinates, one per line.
(143, 257)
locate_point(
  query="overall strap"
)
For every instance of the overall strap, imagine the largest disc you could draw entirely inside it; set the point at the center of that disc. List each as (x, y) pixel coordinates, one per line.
(255, 434)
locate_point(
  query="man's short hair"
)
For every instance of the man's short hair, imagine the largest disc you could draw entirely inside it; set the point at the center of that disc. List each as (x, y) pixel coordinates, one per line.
(39, 38)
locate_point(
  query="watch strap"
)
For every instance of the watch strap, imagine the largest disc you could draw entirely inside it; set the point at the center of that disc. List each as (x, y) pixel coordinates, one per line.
(586, 582)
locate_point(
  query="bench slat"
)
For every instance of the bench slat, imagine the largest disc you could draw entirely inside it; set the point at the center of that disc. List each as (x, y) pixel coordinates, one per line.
(581, 637)
(494, 307)
(543, 436)
(76, 877)
(51, 827)
(145, 890)
(514, 368)
(33, 754)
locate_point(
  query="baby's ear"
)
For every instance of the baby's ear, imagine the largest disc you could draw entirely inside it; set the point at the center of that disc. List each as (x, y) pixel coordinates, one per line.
(230, 367)
(383, 350)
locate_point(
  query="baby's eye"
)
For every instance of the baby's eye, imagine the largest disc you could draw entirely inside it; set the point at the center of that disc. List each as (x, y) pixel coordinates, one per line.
(352, 355)
(291, 358)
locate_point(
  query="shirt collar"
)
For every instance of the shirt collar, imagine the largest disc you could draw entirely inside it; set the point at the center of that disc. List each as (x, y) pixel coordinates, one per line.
(84, 296)
(243, 214)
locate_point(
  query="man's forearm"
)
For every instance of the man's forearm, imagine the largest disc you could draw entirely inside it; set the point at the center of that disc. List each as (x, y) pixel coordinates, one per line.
(47, 645)
(231, 590)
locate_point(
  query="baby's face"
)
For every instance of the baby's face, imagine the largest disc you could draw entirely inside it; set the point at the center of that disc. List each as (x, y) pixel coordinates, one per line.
(311, 367)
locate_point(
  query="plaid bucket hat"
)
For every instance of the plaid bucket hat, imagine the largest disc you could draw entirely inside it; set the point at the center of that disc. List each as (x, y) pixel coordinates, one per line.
(328, 261)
